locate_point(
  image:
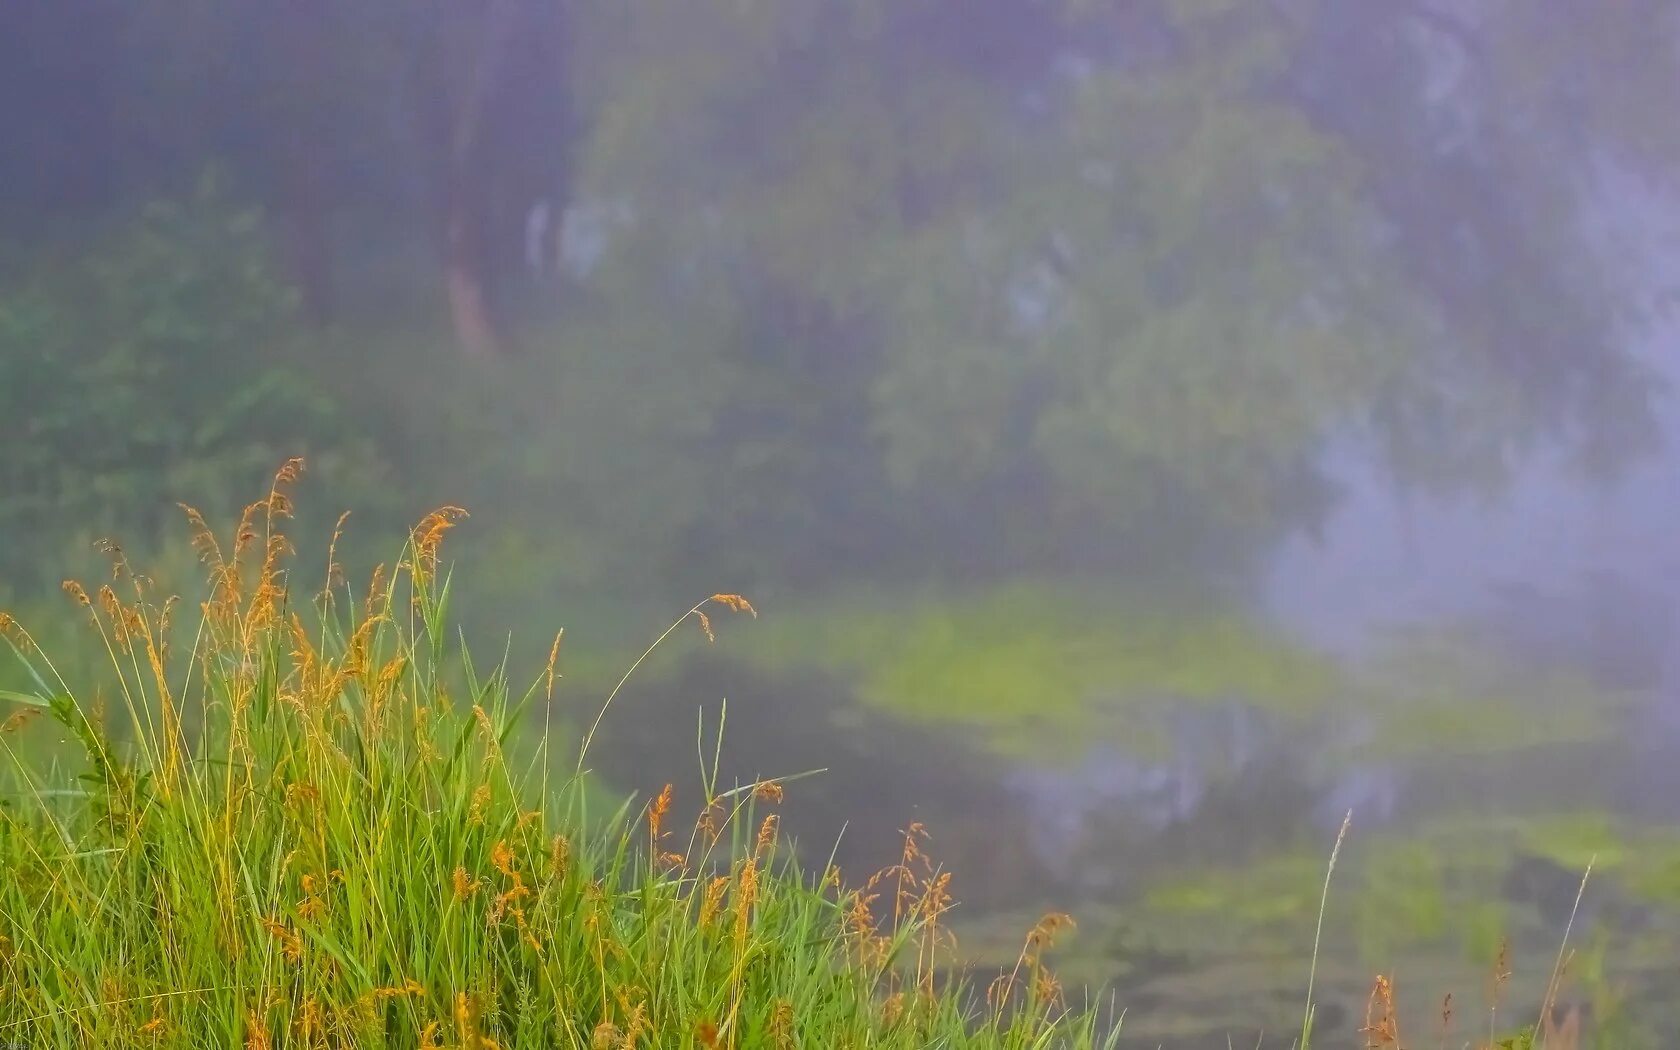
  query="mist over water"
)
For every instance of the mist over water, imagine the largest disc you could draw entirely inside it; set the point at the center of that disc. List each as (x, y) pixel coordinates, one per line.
(1607, 548)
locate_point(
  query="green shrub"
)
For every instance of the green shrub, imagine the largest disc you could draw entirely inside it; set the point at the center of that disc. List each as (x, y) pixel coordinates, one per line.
(149, 366)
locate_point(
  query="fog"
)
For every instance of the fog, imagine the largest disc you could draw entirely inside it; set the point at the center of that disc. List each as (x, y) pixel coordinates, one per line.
(1147, 430)
(1386, 558)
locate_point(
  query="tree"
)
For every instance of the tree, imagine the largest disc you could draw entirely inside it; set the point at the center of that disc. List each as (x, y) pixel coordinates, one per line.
(443, 116)
(1136, 268)
(490, 89)
(988, 284)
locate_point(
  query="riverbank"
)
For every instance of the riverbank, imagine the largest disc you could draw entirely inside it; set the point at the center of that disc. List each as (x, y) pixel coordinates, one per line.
(305, 822)
(310, 819)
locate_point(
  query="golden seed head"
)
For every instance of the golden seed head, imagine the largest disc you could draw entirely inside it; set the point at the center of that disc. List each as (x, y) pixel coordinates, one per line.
(766, 835)
(712, 902)
(656, 814)
(501, 857)
(781, 1025)
(735, 602)
(1048, 928)
(607, 1036)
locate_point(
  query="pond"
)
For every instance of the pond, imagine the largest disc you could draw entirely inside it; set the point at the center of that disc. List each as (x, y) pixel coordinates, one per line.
(1175, 779)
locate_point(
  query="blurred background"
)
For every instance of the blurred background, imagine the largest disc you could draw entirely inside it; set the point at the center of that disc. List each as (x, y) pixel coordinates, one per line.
(1148, 428)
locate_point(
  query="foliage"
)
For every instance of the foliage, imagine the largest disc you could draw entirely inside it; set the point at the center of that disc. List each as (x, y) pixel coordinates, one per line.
(151, 368)
(320, 836)
(1111, 286)
(930, 289)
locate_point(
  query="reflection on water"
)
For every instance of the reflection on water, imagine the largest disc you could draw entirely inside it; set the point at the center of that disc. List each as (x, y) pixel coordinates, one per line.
(1485, 764)
(877, 776)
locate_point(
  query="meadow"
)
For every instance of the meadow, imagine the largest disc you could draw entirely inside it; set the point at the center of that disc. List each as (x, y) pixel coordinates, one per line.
(299, 814)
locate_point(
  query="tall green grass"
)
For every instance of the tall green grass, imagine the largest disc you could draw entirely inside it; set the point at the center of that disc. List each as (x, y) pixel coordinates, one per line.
(300, 815)
(296, 819)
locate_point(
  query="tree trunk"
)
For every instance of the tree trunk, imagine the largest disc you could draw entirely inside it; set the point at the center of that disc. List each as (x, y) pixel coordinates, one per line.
(490, 81)
(467, 222)
(465, 263)
(302, 156)
(309, 241)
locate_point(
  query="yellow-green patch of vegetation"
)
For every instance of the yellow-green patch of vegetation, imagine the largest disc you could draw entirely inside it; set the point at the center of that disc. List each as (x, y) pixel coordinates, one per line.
(1643, 858)
(1266, 899)
(1442, 690)
(1034, 665)
(1436, 887)
(1575, 840)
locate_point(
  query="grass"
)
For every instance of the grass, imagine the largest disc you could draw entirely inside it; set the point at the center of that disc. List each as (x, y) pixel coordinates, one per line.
(307, 818)
(304, 820)
(1318, 930)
